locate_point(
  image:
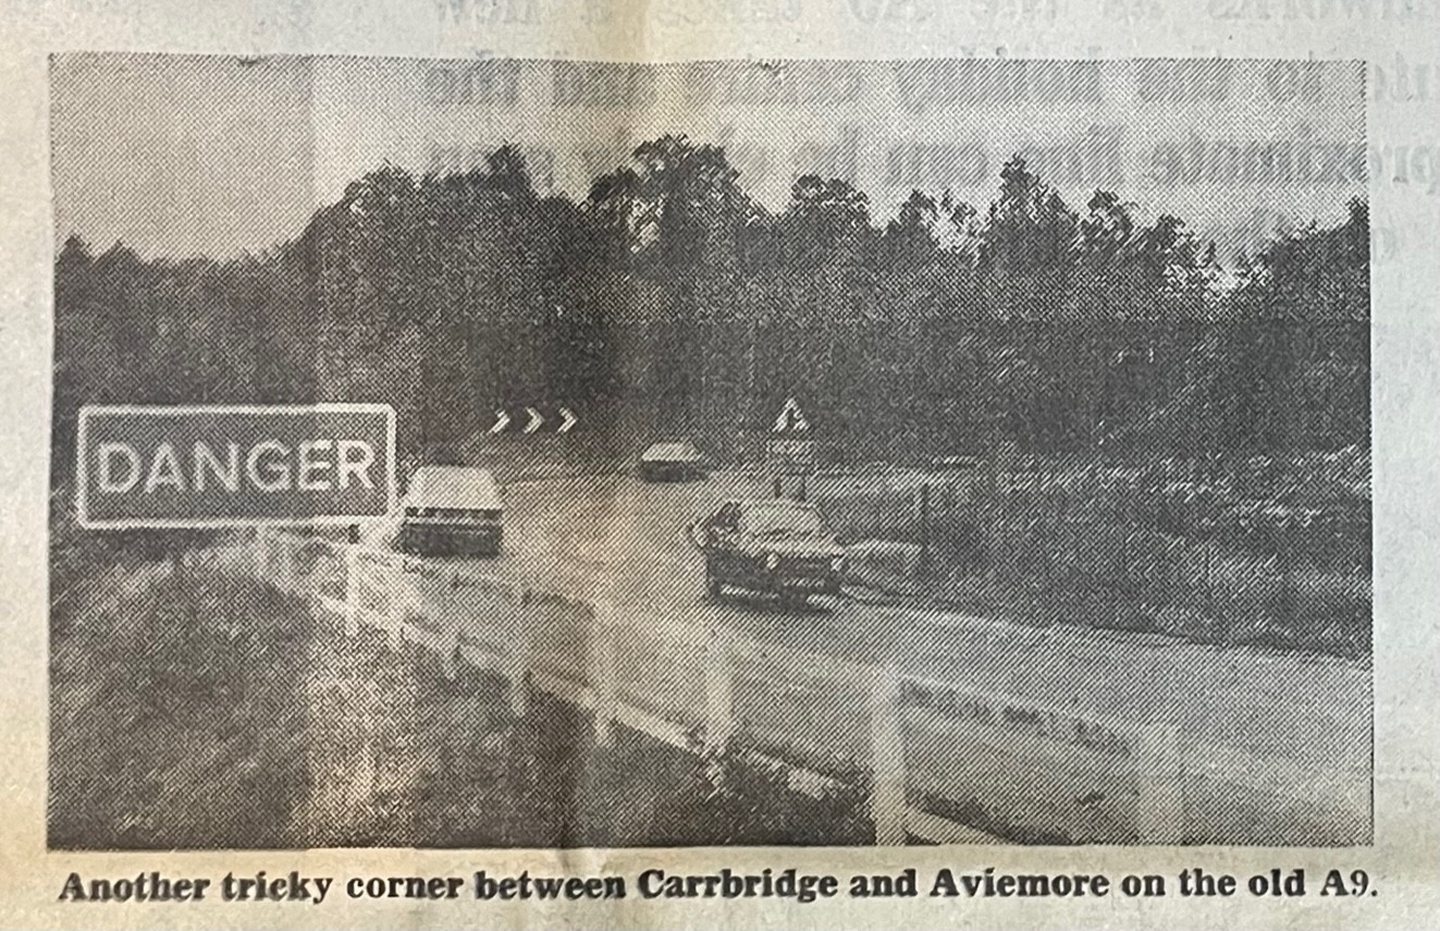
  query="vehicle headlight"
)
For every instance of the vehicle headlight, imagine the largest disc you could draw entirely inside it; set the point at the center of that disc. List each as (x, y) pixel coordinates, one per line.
(772, 561)
(837, 564)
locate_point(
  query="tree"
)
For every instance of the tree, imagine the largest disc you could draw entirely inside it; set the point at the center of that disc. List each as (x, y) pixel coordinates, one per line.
(910, 239)
(1031, 233)
(1298, 354)
(668, 297)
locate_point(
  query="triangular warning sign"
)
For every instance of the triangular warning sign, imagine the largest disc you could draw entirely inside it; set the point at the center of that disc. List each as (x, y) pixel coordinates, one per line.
(791, 418)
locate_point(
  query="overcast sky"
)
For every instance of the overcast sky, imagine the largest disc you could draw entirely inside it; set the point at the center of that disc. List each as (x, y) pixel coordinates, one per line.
(179, 155)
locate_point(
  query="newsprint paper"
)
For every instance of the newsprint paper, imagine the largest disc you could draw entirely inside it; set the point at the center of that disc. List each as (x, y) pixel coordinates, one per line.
(817, 463)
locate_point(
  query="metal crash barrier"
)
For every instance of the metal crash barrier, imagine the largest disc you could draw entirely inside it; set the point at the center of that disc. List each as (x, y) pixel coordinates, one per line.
(932, 760)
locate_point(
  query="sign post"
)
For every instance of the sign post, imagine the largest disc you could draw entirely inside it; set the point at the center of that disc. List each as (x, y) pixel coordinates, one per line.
(790, 450)
(221, 466)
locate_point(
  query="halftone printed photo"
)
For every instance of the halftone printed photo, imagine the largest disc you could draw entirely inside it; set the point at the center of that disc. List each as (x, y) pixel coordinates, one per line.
(556, 454)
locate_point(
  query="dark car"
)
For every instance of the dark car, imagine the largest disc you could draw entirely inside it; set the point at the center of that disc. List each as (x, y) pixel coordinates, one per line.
(774, 545)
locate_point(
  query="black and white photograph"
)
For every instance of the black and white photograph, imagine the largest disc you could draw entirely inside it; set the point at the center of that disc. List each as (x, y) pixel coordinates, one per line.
(524, 453)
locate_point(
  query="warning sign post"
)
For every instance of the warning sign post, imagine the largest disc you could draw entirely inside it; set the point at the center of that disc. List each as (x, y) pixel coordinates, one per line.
(234, 466)
(790, 451)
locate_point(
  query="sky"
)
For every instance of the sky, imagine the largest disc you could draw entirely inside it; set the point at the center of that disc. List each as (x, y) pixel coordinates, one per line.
(185, 155)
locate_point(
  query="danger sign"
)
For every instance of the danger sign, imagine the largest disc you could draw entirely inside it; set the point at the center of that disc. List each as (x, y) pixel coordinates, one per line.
(233, 466)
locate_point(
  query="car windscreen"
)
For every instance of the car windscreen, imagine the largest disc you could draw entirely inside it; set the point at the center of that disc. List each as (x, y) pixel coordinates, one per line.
(781, 522)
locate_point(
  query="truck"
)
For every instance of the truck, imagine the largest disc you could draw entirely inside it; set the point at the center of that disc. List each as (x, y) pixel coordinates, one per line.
(452, 511)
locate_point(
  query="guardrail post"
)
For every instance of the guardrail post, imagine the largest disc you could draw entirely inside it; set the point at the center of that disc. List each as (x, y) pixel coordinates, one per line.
(275, 561)
(446, 638)
(516, 662)
(719, 692)
(888, 803)
(395, 607)
(1160, 808)
(260, 553)
(603, 685)
(352, 591)
(293, 569)
(450, 653)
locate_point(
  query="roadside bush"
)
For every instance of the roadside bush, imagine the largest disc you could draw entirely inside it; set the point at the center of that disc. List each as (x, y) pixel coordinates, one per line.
(194, 708)
(160, 681)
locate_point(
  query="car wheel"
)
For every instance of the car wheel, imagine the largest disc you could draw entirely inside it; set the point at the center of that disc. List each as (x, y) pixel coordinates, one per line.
(792, 602)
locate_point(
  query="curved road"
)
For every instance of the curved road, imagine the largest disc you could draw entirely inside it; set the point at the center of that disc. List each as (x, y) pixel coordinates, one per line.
(1276, 746)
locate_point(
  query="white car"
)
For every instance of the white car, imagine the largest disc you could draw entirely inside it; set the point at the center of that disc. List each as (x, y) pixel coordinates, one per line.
(452, 510)
(673, 461)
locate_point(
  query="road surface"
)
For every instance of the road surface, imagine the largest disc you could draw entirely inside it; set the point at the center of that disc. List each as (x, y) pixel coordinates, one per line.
(1276, 746)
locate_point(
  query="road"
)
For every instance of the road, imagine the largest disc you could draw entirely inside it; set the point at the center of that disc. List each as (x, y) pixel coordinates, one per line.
(1277, 746)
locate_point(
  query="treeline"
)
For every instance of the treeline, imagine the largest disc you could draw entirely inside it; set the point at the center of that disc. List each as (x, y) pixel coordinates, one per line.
(668, 299)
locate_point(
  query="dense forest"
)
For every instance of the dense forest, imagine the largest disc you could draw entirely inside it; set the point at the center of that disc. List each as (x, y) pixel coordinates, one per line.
(668, 298)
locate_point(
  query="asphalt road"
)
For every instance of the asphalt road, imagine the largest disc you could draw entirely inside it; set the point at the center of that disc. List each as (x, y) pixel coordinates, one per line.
(1277, 746)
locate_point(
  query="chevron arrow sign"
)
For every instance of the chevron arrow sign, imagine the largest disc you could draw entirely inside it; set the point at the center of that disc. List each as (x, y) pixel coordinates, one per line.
(532, 420)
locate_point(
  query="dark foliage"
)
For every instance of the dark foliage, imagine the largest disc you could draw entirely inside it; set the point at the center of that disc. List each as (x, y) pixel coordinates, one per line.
(667, 296)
